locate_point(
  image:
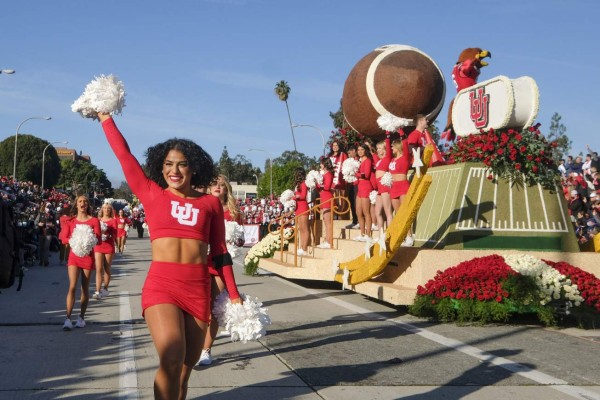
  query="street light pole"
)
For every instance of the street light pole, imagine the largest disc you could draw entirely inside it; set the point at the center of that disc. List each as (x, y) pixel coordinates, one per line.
(16, 138)
(44, 160)
(315, 128)
(270, 166)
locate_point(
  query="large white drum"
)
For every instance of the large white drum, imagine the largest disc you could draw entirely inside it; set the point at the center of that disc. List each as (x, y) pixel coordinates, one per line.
(496, 103)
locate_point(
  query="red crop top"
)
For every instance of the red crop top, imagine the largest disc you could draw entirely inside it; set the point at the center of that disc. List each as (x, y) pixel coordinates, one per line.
(400, 165)
(167, 214)
(382, 164)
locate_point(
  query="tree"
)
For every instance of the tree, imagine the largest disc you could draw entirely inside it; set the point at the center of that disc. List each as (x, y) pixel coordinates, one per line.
(282, 90)
(83, 177)
(123, 192)
(338, 117)
(30, 151)
(557, 133)
(225, 165)
(242, 170)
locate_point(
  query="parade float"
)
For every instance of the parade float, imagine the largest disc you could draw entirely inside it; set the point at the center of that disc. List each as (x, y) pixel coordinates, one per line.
(496, 197)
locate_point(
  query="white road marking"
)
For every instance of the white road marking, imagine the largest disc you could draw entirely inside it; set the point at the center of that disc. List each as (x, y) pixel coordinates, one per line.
(127, 373)
(519, 369)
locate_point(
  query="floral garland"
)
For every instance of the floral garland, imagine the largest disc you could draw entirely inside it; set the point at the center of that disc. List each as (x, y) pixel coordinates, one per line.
(522, 157)
(493, 288)
(265, 249)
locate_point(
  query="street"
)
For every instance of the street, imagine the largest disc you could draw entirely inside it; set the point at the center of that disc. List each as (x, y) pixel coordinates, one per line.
(324, 343)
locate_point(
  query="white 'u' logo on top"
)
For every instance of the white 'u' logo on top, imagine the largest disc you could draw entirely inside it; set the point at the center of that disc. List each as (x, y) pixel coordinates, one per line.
(183, 213)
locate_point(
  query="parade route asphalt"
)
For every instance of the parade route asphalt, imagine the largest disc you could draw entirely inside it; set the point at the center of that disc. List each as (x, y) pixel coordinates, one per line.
(324, 343)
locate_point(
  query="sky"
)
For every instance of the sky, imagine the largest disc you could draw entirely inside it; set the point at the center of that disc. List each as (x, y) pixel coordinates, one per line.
(206, 69)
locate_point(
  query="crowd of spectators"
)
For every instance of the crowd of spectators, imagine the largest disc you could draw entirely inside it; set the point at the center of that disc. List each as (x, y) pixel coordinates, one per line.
(581, 186)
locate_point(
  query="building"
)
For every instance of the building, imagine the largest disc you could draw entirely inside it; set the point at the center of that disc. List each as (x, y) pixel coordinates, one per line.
(71, 154)
(243, 192)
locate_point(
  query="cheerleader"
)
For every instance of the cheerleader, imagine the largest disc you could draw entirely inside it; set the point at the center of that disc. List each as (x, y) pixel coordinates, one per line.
(363, 201)
(383, 204)
(105, 251)
(80, 265)
(222, 190)
(184, 223)
(326, 196)
(337, 157)
(301, 193)
(398, 167)
(123, 224)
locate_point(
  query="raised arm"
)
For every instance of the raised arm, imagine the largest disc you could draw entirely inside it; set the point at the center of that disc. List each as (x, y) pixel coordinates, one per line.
(139, 183)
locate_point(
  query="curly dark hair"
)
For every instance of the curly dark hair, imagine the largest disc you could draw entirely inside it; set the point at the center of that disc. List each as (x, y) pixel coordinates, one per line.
(299, 175)
(326, 161)
(200, 162)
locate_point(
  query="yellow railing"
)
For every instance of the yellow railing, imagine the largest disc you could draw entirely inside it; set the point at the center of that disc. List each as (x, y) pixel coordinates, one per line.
(278, 225)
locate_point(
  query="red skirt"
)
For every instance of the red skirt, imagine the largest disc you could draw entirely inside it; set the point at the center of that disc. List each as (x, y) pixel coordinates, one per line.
(399, 188)
(86, 262)
(185, 285)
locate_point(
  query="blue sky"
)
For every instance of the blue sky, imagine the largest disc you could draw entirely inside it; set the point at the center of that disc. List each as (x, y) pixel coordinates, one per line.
(206, 69)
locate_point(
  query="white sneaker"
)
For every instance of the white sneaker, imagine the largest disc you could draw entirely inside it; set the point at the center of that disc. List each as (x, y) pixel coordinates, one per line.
(205, 358)
(103, 293)
(374, 227)
(358, 238)
(356, 226)
(324, 245)
(301, 252)
(96, 296)
(68, 325)
(408, 242)
(80, 323)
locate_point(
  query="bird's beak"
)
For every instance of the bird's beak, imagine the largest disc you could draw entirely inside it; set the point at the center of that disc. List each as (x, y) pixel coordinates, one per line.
(483, 54)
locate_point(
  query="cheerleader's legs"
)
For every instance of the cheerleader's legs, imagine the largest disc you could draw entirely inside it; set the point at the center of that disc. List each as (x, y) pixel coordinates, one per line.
(177, 337)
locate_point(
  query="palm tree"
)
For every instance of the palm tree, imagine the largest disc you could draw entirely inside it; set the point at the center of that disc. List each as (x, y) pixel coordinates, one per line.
(282, 90)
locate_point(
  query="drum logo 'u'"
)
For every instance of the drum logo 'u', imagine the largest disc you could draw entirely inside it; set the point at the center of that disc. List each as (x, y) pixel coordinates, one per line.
(480, 103)
(186, 215)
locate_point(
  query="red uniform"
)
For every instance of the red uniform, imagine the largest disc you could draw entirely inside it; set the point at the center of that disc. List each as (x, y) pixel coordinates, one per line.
(301, 198)
(325, 190)
(364, 178)
(400, 165)
(109, 233)
(383, 164)
(168, 215)
(121, 232)
(87, 261)
(64, 221)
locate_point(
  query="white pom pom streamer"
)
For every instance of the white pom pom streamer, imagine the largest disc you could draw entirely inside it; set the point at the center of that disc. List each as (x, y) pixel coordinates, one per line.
(104, 94)
(389, 122)
(349, 169)
(245, 322)
(287, 199)
(386, 179)
(82, 240)
(373, 196)
(234, 236)
(313, 178)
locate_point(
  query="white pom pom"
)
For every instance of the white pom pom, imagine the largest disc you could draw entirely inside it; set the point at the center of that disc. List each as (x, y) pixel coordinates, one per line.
(244, 322)
(312, 179)
(82, 240)
(104, 94)
(386, 179)
(389, 122)
(349, 169)
(373, 196)
(287, 199)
